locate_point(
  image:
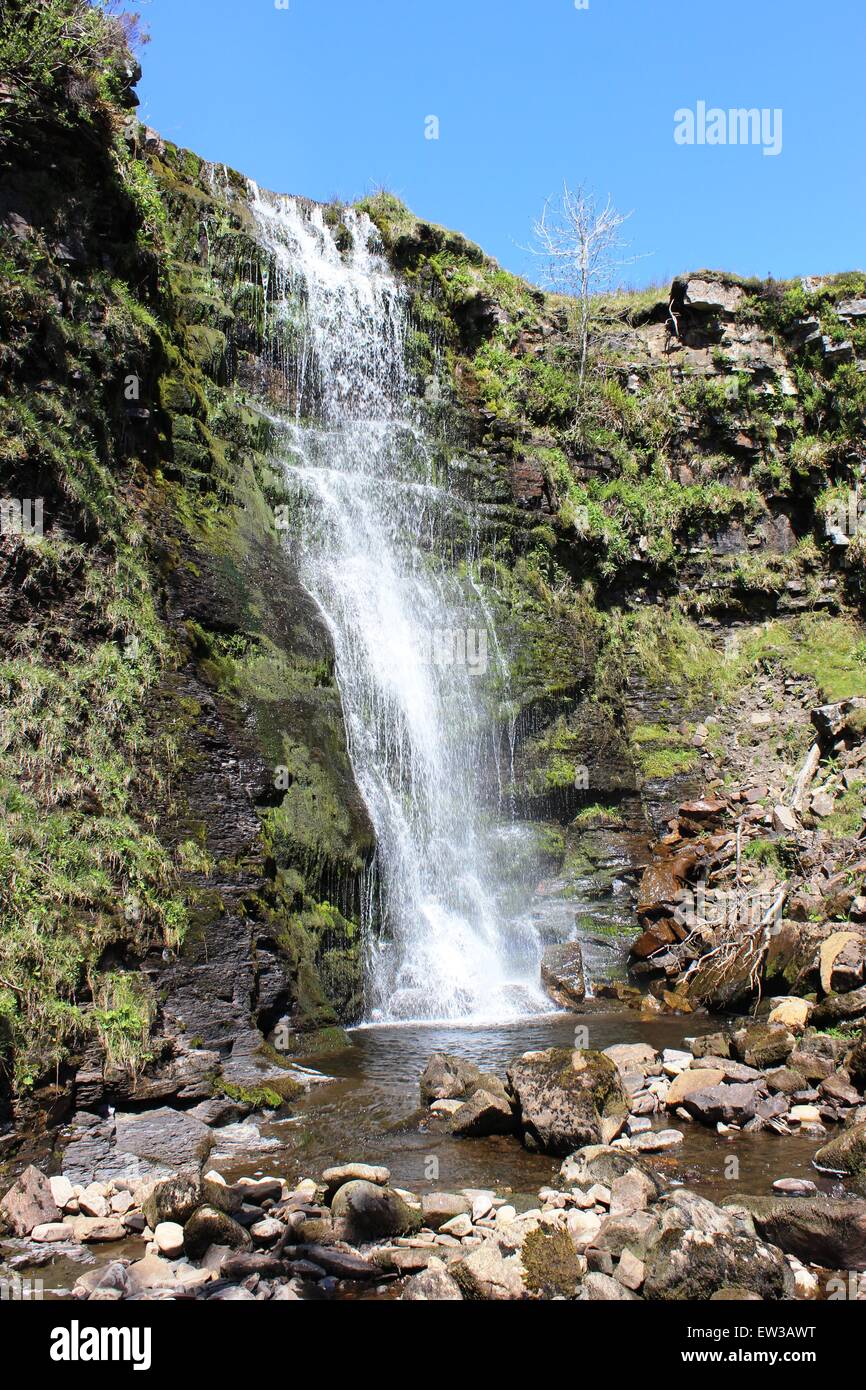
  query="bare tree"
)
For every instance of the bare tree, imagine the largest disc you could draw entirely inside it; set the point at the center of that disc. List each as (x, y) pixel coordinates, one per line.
(579, 239)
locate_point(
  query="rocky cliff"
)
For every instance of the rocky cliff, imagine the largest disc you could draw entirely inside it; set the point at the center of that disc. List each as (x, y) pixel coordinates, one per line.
(652, 544)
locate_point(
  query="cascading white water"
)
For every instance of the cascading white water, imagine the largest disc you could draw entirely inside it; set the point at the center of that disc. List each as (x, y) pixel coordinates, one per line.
(414, 645)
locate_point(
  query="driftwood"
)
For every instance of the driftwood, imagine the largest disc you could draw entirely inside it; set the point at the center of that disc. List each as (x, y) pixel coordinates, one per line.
(805, 776)
(742, 951)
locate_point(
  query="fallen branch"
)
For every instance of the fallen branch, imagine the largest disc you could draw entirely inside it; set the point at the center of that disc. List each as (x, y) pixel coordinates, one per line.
(805, 776)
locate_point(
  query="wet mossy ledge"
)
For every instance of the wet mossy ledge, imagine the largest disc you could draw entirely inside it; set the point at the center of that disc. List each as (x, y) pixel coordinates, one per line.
(646, 544)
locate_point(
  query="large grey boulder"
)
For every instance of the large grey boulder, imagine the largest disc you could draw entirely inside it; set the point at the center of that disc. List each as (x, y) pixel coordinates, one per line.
(363, 1211)
(207, 1227)
(599, 1163)
(735, 1103)
(447, 1077)
(176, 1198)
(567, 1099)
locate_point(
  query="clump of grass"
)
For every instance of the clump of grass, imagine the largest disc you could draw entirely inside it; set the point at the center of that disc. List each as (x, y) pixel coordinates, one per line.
(829, 651)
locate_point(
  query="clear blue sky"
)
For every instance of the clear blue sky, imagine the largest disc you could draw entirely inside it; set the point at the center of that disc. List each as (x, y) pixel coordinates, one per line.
(329, 98)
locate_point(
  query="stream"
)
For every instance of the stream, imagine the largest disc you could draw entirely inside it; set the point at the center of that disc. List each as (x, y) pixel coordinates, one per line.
(369, 1112)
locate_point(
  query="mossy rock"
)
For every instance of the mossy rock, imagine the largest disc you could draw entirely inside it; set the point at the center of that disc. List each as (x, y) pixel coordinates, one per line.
(552, 1267)
(567, 1099)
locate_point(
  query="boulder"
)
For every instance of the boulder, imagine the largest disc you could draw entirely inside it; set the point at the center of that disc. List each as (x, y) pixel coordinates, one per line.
(169, 1239)
(583, 1228)
(165, 1140)
(98, 1230)
(784, 1081)
(562, 974)
(656, 1141)
(491, 1273)
(832, 720)
(839, 1091)
(176, 1198)
(712, 296)
(711, 1045)
(684, 1210)
(447, 1077)
(792, 1014)
(729, 1104)
(340, 1264)
(818, 1230)
(637, 1231)
(632, 1192)
(266, 1232)
(432, 1285)
(256, 1191)
(51, 1233)
(62, 1191)
(841, 961)
(764, 1044)
(240, 1264)
(483, 1114)
(632, 1057)
(693, 1264)
(841, 1008)
(363, 1211)
(599, 1163)
(334, 1178)
(844, 1154)
(210, 1226)
(29, 1202)
(567, 1099)
(693, 1079)
(439, 1207)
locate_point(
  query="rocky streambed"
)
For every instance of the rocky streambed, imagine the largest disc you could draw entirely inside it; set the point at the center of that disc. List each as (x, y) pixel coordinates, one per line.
(651, 1168)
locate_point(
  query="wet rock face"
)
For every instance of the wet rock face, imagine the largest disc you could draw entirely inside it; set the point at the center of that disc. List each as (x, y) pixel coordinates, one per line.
(562, 974)
(567, 1099)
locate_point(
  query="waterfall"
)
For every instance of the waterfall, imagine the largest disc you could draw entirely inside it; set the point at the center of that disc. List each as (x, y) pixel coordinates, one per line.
(374, 533)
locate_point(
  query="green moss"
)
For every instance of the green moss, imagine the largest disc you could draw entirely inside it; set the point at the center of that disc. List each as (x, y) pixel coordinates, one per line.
(830, 651)
(767, 854)
(553, 1269)
(258, 1097)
